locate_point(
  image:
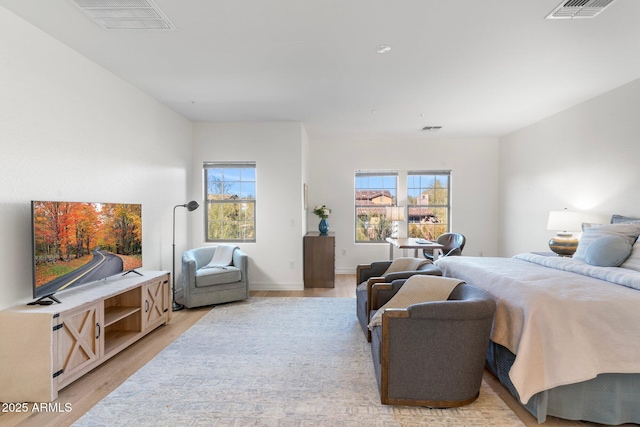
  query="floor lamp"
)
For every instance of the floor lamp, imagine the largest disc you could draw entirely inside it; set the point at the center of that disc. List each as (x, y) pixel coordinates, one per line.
(191, 206)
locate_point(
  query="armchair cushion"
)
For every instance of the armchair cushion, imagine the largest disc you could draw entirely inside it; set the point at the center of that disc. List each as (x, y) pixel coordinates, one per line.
(216, 276)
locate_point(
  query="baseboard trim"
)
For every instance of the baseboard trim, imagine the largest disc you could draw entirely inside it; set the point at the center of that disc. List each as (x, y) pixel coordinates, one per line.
(265, 286)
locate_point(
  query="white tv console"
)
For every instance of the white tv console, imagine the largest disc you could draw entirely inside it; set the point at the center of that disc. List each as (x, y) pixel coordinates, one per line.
(45, 348)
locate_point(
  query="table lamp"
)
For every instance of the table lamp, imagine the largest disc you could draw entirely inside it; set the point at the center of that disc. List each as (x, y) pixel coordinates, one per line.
(395, 214)
(564, 222)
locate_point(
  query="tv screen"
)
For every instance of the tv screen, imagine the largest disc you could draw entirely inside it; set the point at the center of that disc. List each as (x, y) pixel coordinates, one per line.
(76, 243)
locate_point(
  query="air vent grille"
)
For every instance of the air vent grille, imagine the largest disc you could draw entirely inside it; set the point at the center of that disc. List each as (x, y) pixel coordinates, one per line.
(125, 14)
(572, 9)
(431, 128)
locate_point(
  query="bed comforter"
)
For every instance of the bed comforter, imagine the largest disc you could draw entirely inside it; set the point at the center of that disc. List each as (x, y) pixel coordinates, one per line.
(565, 321)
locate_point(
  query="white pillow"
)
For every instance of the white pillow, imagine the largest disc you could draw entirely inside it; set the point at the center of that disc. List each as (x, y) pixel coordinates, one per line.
(629, 232)
(633, 262)
(607, 251)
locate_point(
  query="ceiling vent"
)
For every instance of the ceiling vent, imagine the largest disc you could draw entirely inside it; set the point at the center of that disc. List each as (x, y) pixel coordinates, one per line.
(431, 128)
(125, 14)
(571, 9)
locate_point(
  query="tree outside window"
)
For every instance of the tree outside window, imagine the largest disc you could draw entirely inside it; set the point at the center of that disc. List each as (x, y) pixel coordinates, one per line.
(428, 201)
(374, 191)
(231, 201)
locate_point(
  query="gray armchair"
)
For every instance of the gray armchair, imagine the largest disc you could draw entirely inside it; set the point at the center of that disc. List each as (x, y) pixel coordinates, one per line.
(212, 285)
(433, 353)
(369, 274)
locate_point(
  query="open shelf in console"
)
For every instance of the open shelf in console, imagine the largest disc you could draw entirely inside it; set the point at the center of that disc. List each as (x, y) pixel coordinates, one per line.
(122, 319)
(113, 314)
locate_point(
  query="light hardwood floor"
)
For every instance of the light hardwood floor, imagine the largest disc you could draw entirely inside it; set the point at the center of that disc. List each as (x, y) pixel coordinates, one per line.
(91, 388)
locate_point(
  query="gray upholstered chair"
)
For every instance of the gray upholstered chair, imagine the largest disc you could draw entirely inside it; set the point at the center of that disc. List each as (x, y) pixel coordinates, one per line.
(212, 285)
(433, 353)
(369, 274)
(453, 245)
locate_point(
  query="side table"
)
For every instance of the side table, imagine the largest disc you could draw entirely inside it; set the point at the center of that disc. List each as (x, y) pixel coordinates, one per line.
(319, 260)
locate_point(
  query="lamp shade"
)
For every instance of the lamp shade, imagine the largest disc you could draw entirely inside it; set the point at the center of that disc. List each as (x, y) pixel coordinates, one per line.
(395, 213)
(564, 221)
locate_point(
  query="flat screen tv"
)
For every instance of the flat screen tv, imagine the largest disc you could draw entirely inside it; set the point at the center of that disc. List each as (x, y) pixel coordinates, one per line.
(80, 243)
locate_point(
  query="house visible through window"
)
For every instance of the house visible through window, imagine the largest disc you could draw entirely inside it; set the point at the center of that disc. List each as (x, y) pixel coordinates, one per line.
(374, 191)
(428, 203)
(231, 201)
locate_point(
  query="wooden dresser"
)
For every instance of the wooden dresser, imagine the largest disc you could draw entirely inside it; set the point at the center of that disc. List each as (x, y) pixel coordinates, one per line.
(319, 260)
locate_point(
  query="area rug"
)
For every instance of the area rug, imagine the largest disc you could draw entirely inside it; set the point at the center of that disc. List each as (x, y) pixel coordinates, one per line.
(274, 362)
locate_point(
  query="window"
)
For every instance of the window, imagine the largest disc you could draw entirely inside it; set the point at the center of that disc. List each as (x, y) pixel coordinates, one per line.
(231, 201)
(428, 203)
(374, 192)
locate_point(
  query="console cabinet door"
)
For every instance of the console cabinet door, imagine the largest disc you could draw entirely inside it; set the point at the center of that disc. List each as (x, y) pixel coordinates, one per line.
(155, 304)
(79, 338)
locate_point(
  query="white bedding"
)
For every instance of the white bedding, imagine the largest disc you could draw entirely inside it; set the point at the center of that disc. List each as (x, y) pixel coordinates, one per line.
(564, 327)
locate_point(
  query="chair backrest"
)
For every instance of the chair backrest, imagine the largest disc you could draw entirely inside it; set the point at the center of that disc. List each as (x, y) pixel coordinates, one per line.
(203, 255)
(452, 241)
(465, 302)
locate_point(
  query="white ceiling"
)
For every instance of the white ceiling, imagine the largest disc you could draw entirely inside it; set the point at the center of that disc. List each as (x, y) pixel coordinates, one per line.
(476, 68)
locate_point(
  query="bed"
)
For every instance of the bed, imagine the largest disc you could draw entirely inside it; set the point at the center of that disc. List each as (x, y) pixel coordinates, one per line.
(566, 335)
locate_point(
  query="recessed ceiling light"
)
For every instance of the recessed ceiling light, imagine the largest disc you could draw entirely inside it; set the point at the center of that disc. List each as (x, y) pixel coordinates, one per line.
(383, 48)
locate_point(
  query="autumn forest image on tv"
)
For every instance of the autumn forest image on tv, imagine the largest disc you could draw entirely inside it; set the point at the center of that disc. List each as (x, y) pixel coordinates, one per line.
(76, 243)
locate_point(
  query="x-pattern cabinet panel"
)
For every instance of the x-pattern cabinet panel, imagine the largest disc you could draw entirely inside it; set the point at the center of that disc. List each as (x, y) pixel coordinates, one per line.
(79, 343)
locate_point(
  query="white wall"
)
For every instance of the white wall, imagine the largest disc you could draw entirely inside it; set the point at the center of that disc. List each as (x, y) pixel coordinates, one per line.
(69, 130)
(277, 149)
(474, 193)
(585, 158)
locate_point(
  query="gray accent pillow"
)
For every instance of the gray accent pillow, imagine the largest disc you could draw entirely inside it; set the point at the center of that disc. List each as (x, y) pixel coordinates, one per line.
(616, 219)
(607, 251)
(628, 231)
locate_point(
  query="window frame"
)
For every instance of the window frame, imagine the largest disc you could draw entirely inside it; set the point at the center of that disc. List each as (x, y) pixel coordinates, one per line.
(410, 206)
(394, 200)
(239, 201)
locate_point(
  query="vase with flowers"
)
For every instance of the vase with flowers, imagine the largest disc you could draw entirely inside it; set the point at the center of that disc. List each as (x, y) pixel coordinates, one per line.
(323, 212)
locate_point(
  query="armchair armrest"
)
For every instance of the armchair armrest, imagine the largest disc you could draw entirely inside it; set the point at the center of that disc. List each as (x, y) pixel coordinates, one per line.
(370, 285)
(240, 259)
(189, 267)
(381, 293)
(375, 269)
(453, 252)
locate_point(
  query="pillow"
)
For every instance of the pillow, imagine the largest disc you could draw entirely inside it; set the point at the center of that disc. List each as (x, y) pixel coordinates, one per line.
(617, 219)
(633, 262)
(627, 231)
(586, 225)
(607, 251)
